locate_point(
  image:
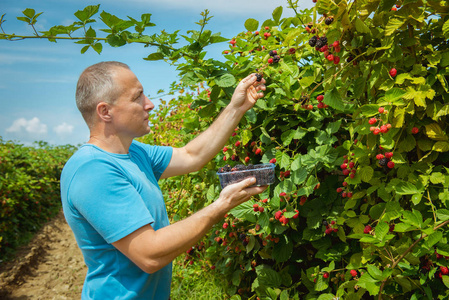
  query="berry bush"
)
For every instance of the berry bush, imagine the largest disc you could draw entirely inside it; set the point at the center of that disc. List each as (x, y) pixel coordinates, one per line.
(29, 190)
(355, 118)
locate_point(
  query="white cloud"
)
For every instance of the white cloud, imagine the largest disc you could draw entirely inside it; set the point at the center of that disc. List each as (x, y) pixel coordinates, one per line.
(63, 129)
(33, 126)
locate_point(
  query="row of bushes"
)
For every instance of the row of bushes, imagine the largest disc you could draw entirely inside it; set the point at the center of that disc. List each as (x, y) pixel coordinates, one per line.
(29, 189)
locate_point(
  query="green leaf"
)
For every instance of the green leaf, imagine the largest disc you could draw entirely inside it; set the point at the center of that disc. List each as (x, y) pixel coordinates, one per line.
(366, 173)
(29, 12)
(98, 47)
(326, 297)
(361, 27)
(333, 99)
(433, 239)
(411, 218)
(277, 13)
(267, 276)
(283, 250)
(441, 147)
(251, 24)
(299, 176)
(226, 80)
(406, 188)
(381, 230)
(85, 14)
(370, 110)
(393, 25)
(155, 56)
(236, 277)
(446, 29)
(442, 214)
(435, 132)
(374, 271)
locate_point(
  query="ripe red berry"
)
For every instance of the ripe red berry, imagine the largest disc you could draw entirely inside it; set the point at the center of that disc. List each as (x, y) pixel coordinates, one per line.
(247, 159)
(237, 143)
(320, 105)
(326, 275)
(328, 230)
(287, 173)
(388, 154)
(353, 273)
(225, 149)
(303, 200)
(393, 72)
(285, 220)
(233, 42)
(343, 166)
(379, 156)
(415, 130)
(444, 270)
(320, 98)
(336, 60)
(225, 225)
(278, 215)
(292, 50)
(346, 172)
(376, 131)
(255, 205)
(344, 194)
(394, 8)
(349, 194)
(310, 107)
(261, 209)
(351, 165)
(330, 57)
(339, 190)
(367, 229)
(270, 60)
(336, 44)
(383, 128)
(282, 194)
(273, 160)
(267, 28)
(345, 183)
(226, 52)
(390, 164)
(381, 110)
(372, 121)
(258, 151)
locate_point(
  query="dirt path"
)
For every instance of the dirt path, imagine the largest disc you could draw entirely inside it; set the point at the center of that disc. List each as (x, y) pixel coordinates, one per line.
(50, 267)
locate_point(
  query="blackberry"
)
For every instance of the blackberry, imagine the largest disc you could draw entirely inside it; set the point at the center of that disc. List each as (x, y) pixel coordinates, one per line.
(276, 59)
(259, 77)
(349, 59)
(329, 20)
(325, 223)
(242, 236)
(273, 52)
(321, 42)
(384, 161)
(245, 243)
(313, 40)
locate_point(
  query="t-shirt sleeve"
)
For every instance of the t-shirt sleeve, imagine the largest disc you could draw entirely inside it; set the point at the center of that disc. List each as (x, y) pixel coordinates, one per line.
(107, 200)
(158, 156)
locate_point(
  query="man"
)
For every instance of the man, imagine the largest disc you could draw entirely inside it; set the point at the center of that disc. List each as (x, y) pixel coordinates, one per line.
(109, 189)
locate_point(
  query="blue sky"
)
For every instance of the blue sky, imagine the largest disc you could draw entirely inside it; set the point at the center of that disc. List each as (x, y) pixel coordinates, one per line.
(38, 78)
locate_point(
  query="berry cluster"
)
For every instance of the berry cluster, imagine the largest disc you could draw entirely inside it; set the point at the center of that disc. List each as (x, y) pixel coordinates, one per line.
(320, 44)
(380, 128)
(279, 215)
(329, 227)
(328, 20)
(384, 159)
(274, 57)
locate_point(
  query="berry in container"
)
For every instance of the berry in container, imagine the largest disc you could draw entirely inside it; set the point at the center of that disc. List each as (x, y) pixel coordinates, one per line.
(264, 174)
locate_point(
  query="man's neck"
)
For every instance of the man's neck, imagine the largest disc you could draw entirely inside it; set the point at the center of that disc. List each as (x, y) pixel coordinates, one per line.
(111, 144)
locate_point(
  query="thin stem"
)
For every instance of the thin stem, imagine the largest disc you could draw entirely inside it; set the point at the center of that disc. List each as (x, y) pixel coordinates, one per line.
(423, 236)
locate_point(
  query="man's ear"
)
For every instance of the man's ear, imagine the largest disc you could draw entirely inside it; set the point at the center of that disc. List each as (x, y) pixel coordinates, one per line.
(104, 111)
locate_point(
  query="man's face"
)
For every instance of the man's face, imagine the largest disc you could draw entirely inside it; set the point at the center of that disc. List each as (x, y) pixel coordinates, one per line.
(130, 111)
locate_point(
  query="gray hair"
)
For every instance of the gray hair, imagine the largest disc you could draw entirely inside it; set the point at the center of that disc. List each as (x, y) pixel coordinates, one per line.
(96, 84)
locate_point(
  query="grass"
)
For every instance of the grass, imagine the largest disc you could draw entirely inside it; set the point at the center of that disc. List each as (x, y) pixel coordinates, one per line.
(195, 281)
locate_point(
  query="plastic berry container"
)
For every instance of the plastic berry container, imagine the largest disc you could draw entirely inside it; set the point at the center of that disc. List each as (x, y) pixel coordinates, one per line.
(264, 174)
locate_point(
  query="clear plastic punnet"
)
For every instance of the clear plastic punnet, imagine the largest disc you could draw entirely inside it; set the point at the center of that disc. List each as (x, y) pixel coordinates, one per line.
(264, 174)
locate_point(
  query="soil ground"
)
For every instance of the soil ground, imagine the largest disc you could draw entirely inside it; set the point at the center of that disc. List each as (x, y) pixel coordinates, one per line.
(49, 267)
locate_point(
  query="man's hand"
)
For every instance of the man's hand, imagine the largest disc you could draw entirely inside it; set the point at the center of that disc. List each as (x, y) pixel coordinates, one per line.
(237, 193)
(247, 92)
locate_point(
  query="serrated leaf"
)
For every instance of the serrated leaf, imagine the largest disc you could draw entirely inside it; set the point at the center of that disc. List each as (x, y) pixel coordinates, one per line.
(435, 132)
(442, 214)
(441, 147)
(226, 80)
(433, 239)
(299, 176)
(406, 188)
(267, 276)
(370, 110)
(446, 29)
(282, 250)
(361, 27)
(251, 24)
(155, 56)
(333, 99)
(374, 271)
(277, 13)
(366, 173)
(381, 230)
(393, 25)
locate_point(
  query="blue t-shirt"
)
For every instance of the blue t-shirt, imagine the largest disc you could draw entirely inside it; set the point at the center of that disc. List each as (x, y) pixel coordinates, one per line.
(105, 197)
